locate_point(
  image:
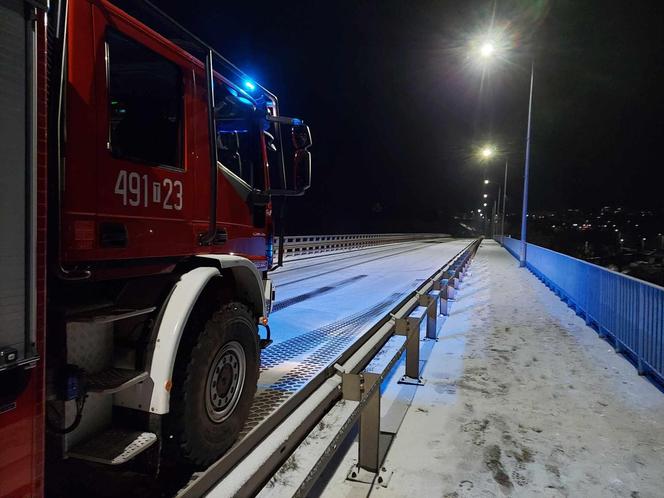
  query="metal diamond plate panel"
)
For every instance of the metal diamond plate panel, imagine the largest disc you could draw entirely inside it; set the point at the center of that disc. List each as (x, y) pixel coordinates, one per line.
(307, 355)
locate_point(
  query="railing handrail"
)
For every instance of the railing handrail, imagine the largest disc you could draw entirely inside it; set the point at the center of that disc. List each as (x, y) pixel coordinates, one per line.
(603, 268)
(301, 245)
(626, 310)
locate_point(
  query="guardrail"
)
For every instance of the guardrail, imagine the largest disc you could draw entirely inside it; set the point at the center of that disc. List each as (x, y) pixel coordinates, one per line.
(333, 401)
(627, 311)
(301, 245)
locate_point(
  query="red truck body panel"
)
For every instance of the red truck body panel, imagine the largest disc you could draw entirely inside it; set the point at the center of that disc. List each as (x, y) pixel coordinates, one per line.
(22, 429)
(158, 225)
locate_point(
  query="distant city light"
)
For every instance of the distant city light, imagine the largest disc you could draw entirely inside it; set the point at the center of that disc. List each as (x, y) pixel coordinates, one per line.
(250, 85)
(485, 204)
(479, 210)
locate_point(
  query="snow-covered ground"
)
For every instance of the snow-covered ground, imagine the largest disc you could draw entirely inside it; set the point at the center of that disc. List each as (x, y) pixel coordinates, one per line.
(317, 291)
(520, 399)
(326, 303)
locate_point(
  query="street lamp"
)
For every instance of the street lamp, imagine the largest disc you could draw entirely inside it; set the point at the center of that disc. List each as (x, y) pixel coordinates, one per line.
(487, 49)
(487, 52)
(487, 152)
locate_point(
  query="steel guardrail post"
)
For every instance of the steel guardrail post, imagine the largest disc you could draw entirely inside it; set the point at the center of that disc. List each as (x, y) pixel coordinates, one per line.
(444, 298)
(410, 327)
(430, 300)
(369, 438)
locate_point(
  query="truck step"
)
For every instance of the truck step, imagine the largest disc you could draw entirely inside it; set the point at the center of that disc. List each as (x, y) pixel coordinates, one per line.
(113, 380)
(113, 446)
(109, 314)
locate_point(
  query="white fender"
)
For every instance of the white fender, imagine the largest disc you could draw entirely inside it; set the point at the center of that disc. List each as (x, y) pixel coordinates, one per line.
(172, 324)
(177, 311)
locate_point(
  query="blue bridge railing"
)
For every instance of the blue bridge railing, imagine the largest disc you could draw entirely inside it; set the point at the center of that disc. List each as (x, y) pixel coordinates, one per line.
(627, 311)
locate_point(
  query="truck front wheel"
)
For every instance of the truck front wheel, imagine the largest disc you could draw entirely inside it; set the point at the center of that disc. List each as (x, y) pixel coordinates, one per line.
(214, 383)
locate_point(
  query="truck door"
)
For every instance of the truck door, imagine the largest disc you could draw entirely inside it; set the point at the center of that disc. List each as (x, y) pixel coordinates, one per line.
(144, 186)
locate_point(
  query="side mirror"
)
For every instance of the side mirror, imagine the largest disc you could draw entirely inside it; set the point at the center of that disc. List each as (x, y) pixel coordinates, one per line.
(301, 139)
(301, 136)
(302, 170)
(294, 176)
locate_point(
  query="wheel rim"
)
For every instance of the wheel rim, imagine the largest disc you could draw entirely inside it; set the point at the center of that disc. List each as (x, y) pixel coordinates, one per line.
(225, 381)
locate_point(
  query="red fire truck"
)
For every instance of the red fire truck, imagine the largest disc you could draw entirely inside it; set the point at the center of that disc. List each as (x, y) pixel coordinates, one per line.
(138, 173)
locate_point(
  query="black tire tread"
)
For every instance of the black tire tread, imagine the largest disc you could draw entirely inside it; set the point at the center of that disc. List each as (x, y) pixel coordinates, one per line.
(206, 320)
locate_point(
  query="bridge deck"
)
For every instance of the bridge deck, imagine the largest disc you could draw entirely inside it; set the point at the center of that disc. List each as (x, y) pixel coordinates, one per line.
(521, 399)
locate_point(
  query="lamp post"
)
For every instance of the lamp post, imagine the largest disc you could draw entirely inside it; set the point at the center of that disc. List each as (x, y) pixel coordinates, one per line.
(502, 223)
(488, 50)
(486, 153)
(524, 209)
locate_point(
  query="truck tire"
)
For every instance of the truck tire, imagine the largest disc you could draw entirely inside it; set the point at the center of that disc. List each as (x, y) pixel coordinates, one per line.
(214, 383)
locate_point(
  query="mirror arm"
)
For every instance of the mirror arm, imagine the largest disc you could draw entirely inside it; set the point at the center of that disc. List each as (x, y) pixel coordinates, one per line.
(285, 192)
(259, 197)
(284, 120)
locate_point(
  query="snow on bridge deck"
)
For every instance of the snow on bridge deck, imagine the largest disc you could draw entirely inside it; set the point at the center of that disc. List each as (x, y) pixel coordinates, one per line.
(325, 303)
(521, 399)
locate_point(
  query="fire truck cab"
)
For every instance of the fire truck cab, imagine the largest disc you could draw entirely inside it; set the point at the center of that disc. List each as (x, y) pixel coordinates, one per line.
(162, 162)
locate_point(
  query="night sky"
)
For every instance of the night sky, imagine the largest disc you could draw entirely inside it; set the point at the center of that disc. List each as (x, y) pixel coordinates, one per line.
(396, 110)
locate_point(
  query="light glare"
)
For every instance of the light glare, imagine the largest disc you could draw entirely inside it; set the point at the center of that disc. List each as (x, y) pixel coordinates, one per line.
(487, 151)
(487, 49)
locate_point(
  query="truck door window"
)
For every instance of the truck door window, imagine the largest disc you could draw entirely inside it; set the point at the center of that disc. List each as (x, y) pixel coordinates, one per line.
(145, 103)
(238, 145)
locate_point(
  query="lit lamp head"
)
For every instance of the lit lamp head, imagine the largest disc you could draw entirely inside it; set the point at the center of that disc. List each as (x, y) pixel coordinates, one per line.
(487, 49)
(487, 152)
(490, 45)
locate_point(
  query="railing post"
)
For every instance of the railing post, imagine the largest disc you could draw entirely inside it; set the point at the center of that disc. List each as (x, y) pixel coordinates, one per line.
(444, 297)
(410, 327)
(430, 300)
(640, 330)
(369, 456)
(451, 291)
(353, 388)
